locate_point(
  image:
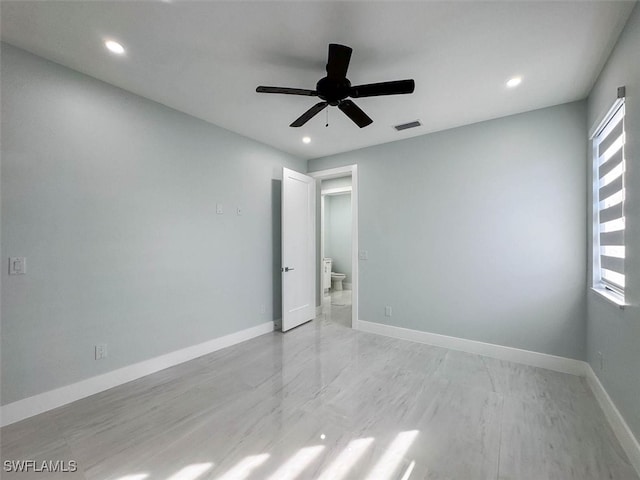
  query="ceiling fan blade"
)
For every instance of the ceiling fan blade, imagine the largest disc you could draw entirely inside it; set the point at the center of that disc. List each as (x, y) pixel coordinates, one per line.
(338, 62)
(397, 87)
(354, 112)
(309, 114)
(287, 91)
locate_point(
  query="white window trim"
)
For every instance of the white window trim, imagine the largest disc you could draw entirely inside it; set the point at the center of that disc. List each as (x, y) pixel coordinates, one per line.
(610, 297)
(597, 285)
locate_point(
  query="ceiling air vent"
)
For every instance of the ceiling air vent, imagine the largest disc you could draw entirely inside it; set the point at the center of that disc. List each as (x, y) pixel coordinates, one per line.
(404, 126)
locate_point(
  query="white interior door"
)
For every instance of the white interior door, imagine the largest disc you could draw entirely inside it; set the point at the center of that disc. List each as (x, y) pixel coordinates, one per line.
(298, 248)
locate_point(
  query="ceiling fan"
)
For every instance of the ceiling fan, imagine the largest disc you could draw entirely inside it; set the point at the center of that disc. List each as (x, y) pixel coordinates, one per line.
(335, 88)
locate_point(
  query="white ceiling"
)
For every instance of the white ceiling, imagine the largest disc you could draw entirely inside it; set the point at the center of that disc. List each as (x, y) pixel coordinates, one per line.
(206, 58)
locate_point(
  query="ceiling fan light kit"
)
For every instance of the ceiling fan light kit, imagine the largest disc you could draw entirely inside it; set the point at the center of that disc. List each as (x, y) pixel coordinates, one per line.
(335, 89)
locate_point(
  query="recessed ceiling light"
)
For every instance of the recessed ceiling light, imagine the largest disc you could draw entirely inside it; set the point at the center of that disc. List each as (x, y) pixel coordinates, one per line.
(114, 47)
(306, 139)
(514, 82)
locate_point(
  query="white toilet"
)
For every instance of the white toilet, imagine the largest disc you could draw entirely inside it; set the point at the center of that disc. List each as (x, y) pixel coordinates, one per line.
(336, 281)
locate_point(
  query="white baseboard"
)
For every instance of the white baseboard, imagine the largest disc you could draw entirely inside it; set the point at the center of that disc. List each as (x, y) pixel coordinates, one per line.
(28, 407)
(624, 434)
(527, 357)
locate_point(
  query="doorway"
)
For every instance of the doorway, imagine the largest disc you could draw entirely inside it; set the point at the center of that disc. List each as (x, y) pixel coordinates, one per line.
(338, 244)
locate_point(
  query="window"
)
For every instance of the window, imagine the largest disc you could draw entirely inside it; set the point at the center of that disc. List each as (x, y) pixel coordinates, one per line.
(608, 204)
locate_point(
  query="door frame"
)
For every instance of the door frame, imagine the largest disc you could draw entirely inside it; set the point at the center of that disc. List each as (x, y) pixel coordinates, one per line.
(336, 173)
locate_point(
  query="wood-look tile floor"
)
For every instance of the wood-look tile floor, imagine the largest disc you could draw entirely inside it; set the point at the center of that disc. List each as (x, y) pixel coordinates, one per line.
(330, 403)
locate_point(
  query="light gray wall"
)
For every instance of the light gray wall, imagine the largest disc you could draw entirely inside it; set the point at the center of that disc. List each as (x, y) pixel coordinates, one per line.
(112, 199)
(615, 332)
(479, 232)
(337, 229)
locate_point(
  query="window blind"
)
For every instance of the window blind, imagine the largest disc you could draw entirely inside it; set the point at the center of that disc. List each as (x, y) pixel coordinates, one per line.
(609, 161)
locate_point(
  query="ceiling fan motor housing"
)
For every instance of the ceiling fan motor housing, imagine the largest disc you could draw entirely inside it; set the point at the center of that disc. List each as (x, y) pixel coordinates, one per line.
(333, 90)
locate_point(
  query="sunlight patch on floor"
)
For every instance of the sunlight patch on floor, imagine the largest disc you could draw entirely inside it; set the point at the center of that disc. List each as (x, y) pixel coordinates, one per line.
(340, 467)
(244, 468)
(393, 456)
(407, 472)
(292, 469)
(191, 472)
(296, 464)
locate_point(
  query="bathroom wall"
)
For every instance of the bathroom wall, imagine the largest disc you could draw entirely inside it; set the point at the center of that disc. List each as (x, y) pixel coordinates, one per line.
(612, 331)
(112, 199)
(337, 233)
(478, 232)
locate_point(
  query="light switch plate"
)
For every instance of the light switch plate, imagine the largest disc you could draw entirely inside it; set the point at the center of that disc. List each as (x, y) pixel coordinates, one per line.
(101, 351)
(17, 265)
(219, 208)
